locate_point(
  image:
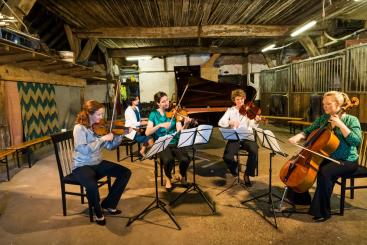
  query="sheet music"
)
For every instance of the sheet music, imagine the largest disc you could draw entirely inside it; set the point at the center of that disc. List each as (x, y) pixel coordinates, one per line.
(245, 134)
(131, 135)
(237, 134)
(268, 140)
(159, 145)
(186, 137)
(203, 134)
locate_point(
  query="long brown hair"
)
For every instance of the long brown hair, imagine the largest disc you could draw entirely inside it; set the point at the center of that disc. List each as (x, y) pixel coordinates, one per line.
(89, 108)
(158, 96)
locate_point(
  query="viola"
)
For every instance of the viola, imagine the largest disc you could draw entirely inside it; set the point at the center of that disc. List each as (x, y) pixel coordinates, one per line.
(300, 172)
(250, 110)
(103, 128)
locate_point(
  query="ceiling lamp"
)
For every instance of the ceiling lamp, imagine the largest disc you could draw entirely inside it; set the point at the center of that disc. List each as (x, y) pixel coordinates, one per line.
(303, 28)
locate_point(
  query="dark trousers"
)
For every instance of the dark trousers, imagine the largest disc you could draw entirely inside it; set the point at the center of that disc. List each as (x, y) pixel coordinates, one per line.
(168, 156)
(89, 175)
(233, 147)
(327, 175)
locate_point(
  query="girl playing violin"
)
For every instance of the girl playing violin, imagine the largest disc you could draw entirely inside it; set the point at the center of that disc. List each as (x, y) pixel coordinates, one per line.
(88, 164)
(132, 121)
(348, 130)
(233, 119)
(159, 125)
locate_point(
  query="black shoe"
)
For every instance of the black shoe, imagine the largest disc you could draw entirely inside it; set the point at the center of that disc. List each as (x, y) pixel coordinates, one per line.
(140, 156)
(101, 221)
(112, 211)
(169, 189)
(320, 219)
(247, 181)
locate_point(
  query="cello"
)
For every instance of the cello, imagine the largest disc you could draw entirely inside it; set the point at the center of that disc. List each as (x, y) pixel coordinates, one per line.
(300, 172)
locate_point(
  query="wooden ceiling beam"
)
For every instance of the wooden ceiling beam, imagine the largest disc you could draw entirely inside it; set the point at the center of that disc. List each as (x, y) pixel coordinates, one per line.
(161, 51)
(11, 73)
(87, 50)
(10, 58)
(206, 31)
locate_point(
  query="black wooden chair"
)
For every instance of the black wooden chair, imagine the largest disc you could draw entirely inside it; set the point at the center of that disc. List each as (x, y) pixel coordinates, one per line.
(129, 144)
(360, 173)
(64, 147)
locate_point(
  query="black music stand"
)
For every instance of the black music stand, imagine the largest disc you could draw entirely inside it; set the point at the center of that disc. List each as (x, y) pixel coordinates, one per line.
(238, 134)
(160, 144)
(269, 141)
(190, 138)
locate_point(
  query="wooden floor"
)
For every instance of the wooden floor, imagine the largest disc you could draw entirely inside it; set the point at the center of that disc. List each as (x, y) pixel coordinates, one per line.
(31, 213)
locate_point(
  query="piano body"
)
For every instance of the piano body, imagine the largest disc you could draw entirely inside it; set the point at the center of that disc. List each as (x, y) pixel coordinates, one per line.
(204, 99)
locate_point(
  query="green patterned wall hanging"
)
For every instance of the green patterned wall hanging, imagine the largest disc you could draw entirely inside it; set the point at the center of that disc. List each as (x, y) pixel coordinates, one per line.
(39, 112)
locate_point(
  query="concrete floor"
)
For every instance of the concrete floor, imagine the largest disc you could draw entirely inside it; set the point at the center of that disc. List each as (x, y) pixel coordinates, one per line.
(31, 212)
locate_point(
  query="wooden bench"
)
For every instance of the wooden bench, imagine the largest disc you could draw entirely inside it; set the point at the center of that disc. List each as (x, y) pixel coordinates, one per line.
(293, 124)
(25, 146)
(4, 159)
(283, 118)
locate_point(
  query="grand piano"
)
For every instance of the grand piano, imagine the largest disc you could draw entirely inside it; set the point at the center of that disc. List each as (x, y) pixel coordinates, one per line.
(205, 100)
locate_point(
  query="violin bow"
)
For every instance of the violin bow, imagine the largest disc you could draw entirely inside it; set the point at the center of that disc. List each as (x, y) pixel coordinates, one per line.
(319, 154)
(114, 103)
(179, 102)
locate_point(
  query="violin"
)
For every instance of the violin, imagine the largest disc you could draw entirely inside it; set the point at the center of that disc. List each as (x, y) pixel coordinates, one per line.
(300, 172)
(180, 114)
(250, 110)
(103, 128)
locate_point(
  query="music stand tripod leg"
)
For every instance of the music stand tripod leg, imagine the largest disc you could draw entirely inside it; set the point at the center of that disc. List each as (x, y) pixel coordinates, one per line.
(269, 193)
(237, 180)
(158, 203)
(194, 187)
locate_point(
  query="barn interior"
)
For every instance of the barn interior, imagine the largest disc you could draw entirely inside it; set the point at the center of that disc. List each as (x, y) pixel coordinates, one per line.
(56, 55)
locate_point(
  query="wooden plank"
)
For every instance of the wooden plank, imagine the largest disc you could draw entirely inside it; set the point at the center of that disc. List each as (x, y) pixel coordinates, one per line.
(5, 153)
(206, 31)
(161, 51)
(12, 73)
(269, 61)
(87, 50)
(10, 58)
(309, 46)
(74, 43)
(29, 143)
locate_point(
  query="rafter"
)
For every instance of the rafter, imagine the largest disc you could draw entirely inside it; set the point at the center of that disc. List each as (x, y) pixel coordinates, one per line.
(161, 51)
(207, 31)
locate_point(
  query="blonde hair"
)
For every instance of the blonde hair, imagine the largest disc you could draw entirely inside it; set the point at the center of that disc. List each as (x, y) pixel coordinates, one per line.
(340, 98)
(89, 108)
(237, 93)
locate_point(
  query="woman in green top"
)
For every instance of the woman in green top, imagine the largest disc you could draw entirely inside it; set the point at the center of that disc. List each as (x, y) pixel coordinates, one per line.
(348, 130)
(159, 125)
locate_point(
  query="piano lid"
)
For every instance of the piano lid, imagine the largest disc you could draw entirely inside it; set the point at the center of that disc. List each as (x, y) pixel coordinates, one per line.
(202, 92)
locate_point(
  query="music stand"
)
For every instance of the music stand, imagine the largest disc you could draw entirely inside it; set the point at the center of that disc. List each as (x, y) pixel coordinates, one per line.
(268, 141)
(190, 138)
(238, 135)
(159, 145)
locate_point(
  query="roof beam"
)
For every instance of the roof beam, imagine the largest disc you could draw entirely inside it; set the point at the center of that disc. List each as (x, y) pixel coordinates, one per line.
(161, 51)
(206, 31)
(11, 73)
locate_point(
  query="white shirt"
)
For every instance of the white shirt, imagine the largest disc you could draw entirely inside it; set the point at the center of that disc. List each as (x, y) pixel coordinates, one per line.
(232, 114)
(130, 118)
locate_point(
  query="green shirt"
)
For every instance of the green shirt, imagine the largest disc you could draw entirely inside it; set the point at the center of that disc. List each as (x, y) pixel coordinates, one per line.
(156, 118)
(347, 149)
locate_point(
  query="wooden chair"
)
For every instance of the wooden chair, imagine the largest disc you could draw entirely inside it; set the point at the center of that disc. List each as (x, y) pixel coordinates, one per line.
(360, 173)
(64, 148)
(128, 143)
